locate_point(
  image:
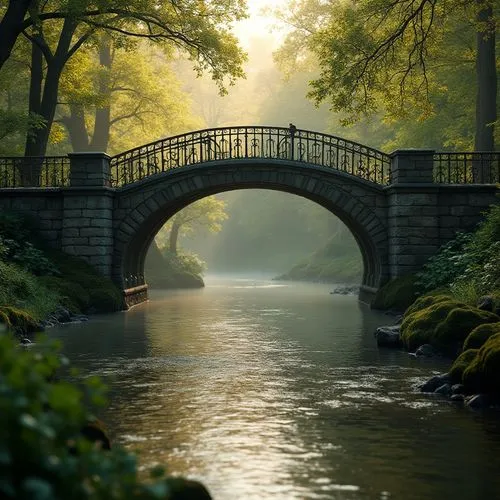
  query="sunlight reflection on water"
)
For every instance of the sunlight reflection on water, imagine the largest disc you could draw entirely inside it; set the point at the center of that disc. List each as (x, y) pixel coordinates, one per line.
(269, 391)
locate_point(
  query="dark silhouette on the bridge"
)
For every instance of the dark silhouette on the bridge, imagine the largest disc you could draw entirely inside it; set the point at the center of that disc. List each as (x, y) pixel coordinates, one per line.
(401, 207)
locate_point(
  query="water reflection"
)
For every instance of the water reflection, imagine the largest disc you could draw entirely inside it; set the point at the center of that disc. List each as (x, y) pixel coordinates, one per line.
(280, 392)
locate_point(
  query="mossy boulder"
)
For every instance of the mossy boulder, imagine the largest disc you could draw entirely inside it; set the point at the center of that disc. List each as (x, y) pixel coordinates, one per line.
(460, 364)
(482, 375)
(426, 301)
(17, 319)
(444, 323)
(460, 322)
(397, 294)
(419, 327)
(478, 337)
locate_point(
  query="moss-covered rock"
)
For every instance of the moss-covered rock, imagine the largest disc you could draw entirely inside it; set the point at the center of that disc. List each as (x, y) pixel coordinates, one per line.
(442, 322)
(478, 337)
(419, 327)
(460, 322)
(426, 301)
(397, 294)
(460, 364)
(482, 375)
(18, 319)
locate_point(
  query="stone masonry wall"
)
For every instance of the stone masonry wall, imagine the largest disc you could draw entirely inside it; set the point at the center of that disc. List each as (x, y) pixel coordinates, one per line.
(88, 226)
(422, 217)
(44, 206)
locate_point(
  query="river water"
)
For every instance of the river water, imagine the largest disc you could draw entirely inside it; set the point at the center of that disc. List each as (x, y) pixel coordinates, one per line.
(266, 390)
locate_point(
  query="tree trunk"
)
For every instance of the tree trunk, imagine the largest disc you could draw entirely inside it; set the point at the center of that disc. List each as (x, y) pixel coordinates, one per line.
(11, 27)
(30, 171)
(55, 66)
(77, 130)
(35, 91)
(173, 237)
(100, 138)
(486, 105)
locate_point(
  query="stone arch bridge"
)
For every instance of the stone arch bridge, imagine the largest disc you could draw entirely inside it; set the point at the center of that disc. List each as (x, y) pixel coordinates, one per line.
(401, 207)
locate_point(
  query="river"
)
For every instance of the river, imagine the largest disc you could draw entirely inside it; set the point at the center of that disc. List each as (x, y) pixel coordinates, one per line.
(265, 390)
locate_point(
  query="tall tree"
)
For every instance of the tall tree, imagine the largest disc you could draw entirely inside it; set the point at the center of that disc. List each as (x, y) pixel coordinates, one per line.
(207, 213)
(58, 29)
(131, 97)
(11, 25)
(382, 54)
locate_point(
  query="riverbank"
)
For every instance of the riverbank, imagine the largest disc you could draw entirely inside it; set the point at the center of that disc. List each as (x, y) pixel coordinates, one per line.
(40, 286)
(456, 314)
(438, 325)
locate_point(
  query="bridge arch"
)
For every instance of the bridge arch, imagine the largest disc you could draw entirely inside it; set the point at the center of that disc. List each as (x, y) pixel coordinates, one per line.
(143, 207)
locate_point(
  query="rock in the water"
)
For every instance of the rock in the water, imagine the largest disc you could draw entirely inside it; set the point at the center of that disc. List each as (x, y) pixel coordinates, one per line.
(388, 336)
(62, 315)
(457, 398)
(437, 381)
(444, 390)
(187, 489)
(345, 290)
(478, 401)
(425, 350)
(458, 389)
(486, 303)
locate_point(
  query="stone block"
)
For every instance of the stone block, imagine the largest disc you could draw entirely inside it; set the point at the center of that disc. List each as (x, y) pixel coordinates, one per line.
(74, 202)
(77, 222)
(72, 232)
(87, 250)
(100, 202)
(105, 241)
(94, 231)
(97, 213)
(74, 242)
(423, 221)
(108, 223)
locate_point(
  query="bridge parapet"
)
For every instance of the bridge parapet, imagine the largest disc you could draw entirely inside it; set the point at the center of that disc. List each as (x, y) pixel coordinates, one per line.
(244, 143)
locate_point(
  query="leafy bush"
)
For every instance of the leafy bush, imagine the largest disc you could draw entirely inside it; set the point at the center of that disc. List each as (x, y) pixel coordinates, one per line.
(24, 300)
(469, 264)
(99, 293)
(72, 295)
(17, 234)
(43, 453)
(447, 265)
(165, 269)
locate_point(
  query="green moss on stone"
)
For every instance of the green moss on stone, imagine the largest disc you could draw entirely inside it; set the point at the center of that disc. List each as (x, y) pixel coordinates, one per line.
(483, 373)
(460, 322)
(461, 363)
(17, 319)
(419, 327)
(397, 294)
(478, 337)
(424, 302)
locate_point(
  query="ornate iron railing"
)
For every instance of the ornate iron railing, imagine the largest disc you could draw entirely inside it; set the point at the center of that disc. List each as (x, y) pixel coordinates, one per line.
(233, 143)
(467, 168)
(31, 171)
